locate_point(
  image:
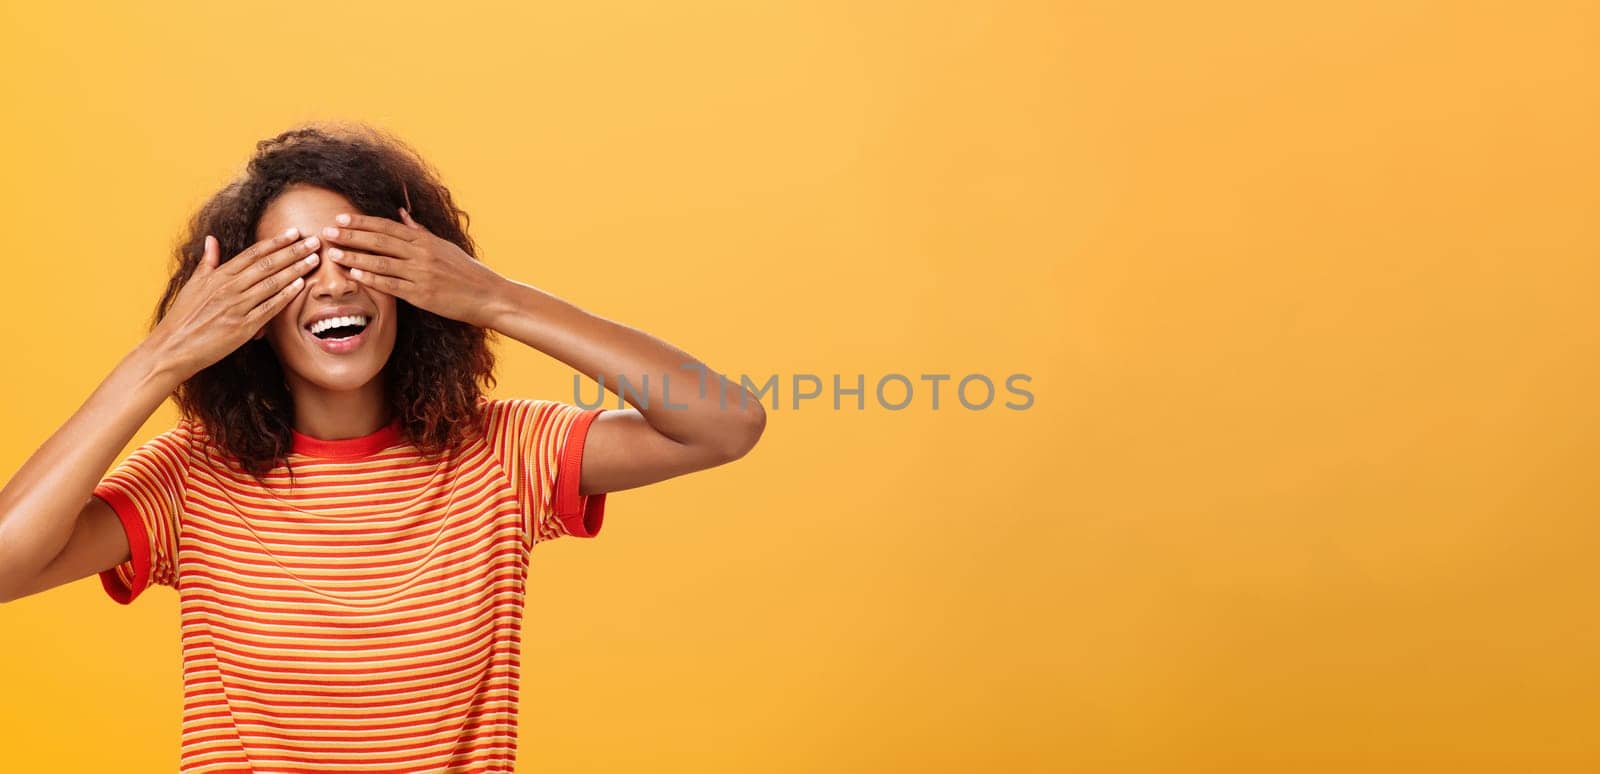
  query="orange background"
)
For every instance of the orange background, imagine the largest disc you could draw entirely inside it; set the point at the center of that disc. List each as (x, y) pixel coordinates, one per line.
(1306, 293)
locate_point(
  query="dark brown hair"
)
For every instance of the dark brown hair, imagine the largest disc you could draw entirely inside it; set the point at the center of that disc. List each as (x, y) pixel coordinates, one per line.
(439, 368)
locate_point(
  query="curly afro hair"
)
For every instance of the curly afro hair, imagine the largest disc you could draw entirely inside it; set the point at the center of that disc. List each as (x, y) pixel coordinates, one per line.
(440, 367)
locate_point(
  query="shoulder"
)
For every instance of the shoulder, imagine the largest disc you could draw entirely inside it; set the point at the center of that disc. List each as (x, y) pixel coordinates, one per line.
(191, 433)
(178, 439)
(504, 406)
(193, 440)
(516, 416)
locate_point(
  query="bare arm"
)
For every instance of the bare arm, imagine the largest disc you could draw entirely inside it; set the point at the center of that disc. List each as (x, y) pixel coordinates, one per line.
(40, 506)
(52, 529)
(655, 440)
(674, 428)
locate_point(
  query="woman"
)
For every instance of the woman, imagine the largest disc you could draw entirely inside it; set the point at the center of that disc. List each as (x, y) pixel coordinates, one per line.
(346, 517)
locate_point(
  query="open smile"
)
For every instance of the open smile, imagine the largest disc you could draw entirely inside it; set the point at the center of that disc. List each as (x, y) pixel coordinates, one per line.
(338, 335)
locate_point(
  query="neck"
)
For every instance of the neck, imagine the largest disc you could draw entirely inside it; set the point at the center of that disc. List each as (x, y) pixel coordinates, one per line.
(335, 415)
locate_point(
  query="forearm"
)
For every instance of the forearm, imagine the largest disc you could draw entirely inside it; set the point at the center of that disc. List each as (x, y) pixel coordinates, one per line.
(39, 505)
(677, 394)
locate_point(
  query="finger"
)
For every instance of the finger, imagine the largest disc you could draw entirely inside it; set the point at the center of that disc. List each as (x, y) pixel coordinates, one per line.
(279, 279)
(262, 267)
(211, 255)
(383, 272)
(405, 216)
(373, 242)
(263, 312)
(375, 264)
(394, 286)
(266, 246)
(376, 224)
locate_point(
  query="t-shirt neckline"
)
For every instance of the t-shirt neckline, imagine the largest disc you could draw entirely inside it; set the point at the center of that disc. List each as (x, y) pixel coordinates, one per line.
(373, 442)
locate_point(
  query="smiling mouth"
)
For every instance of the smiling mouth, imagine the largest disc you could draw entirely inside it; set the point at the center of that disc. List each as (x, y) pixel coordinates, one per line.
(337, 328)
(339, 335)
(341, 332)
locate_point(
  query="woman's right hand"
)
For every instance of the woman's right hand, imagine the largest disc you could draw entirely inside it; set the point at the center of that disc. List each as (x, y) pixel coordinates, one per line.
(224, 305)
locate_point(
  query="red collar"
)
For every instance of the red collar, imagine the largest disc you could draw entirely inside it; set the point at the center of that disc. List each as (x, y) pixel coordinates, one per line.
(374, 442)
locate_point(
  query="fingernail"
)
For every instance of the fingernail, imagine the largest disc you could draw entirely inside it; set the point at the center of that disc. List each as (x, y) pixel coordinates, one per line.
(292, 233)
(313, 242)
(330, 231)
(334, 252)
(312, 258)
(344, 220)
(355, 273)
(298, 281)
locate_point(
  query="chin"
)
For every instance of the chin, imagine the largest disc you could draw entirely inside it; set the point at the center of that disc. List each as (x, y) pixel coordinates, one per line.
(343, 381)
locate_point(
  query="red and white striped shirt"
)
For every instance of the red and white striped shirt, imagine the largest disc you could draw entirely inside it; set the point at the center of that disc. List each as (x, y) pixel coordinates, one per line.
(366, 616)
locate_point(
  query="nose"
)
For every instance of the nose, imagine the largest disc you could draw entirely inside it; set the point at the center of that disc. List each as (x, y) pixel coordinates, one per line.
(330, 280)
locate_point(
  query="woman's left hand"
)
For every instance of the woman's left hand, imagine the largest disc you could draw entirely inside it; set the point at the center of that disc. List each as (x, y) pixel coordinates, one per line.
(407, 261)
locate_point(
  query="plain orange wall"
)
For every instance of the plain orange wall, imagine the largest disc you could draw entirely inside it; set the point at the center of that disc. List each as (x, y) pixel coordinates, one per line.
(1305, 290)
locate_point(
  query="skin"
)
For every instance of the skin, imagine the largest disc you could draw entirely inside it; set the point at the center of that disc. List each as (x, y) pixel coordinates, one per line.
(336, 396)
(670, 431)
(53, 531)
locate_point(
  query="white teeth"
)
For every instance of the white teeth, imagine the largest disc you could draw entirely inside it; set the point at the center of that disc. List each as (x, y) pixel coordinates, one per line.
(334, 322)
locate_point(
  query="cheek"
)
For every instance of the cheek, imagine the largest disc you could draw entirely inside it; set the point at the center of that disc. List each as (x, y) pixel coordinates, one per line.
(386, 307)
(283, 325)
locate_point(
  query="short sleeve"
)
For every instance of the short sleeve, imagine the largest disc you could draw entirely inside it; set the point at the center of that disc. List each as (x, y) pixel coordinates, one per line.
(147, 490)
(540, 446)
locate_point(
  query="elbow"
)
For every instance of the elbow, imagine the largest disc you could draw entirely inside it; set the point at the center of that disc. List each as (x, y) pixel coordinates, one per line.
(743, 428)
(13, 589)
(10, 589)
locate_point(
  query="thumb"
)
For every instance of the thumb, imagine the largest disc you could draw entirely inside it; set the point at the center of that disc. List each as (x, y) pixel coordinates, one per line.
(405, 215)
(211, 257)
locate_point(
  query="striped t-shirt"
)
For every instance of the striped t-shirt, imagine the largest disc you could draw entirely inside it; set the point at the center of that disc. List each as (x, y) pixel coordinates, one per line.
(367, 617)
